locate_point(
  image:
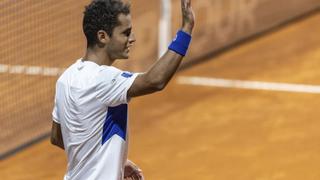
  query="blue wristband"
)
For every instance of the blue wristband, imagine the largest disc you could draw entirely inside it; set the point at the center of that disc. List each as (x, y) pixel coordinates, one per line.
(181, 43)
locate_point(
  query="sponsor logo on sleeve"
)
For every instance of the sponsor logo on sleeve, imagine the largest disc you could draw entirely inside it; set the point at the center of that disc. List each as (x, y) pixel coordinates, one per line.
(126, 74)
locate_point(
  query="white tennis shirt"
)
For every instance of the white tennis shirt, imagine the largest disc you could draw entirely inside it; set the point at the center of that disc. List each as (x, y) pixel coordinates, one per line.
(91, 107)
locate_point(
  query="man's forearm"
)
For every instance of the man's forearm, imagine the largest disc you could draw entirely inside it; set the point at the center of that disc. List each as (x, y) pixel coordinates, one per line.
(163, 70)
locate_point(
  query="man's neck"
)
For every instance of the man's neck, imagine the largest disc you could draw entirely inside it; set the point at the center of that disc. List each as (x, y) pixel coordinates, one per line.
(98, 56)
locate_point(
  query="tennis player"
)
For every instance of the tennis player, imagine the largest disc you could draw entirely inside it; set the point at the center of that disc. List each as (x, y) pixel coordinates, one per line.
(91, 102)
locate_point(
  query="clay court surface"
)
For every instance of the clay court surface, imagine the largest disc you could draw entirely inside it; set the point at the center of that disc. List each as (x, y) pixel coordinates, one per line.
(217, 133)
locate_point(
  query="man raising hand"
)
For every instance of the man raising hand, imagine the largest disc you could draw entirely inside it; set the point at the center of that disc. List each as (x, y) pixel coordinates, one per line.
(91, 101)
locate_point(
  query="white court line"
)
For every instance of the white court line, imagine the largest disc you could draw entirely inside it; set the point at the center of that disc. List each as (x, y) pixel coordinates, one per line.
(257, 85)
(30, 70)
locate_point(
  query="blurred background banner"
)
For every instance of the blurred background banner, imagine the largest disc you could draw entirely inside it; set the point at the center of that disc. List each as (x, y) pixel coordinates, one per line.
(39, 39)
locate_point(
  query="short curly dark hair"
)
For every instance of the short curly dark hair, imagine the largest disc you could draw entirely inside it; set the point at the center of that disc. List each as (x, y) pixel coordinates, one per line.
(102, 15)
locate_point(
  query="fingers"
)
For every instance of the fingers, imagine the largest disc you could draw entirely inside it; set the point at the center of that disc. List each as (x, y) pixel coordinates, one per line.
(183, 4)
(132, 167)
(132, 171)
(186, 3)
(135, 176)
(186, 7)
(138, 176)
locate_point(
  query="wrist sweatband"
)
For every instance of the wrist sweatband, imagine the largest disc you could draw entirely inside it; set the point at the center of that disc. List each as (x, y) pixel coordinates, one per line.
(181, 43)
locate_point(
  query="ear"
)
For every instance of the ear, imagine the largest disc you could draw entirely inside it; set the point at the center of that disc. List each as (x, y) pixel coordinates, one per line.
(103, 37)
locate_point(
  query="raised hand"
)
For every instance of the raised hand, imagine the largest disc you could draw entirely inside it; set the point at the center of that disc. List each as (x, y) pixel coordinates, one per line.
(188, 17)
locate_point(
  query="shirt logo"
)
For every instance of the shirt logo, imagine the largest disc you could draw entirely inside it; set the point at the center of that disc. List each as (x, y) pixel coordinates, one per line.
(126, 74)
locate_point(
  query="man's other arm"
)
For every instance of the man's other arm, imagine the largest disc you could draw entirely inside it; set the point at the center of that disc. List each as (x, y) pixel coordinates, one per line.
(56, 135)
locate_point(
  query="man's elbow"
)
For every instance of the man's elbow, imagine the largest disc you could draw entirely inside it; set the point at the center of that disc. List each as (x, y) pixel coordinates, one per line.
(157, 85)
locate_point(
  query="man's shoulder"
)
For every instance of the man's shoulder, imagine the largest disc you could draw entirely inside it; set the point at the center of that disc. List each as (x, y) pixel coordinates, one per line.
(66, 72)
(110, 69)
(63, 78)
(109, 72)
